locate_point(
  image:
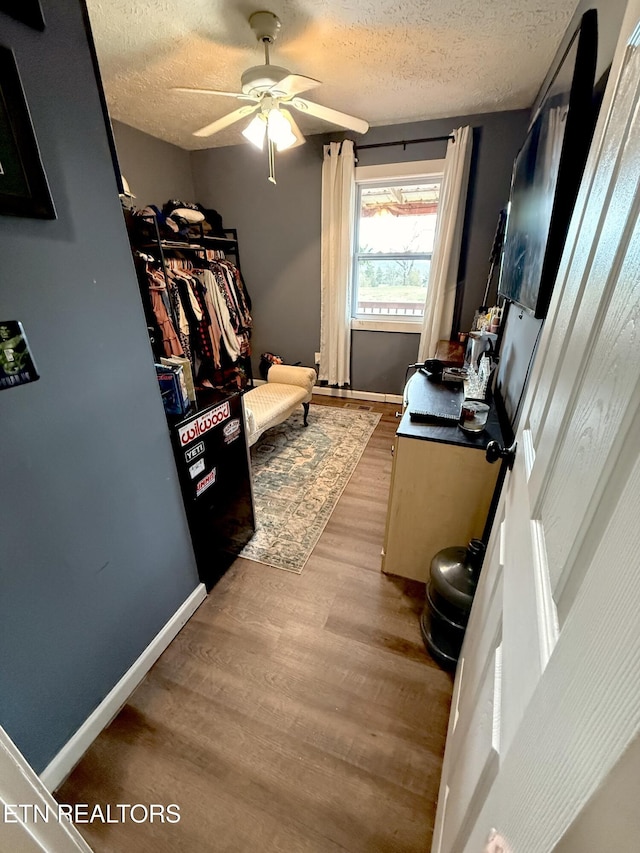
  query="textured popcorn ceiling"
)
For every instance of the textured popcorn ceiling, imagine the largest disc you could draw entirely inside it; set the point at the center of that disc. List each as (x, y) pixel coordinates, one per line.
(386, 61)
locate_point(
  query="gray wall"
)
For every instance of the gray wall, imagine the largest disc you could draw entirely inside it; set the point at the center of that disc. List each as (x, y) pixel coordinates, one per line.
(95, 555)
(279, 232)
(279, 238)
(156, 170)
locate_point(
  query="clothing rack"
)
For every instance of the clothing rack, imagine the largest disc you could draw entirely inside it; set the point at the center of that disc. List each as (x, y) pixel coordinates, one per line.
(198, 246)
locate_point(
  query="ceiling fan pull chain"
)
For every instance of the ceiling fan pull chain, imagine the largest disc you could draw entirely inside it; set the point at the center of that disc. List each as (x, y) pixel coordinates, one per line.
(272, 161)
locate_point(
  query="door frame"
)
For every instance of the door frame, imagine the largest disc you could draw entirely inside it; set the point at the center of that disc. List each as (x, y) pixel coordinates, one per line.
(19, 785)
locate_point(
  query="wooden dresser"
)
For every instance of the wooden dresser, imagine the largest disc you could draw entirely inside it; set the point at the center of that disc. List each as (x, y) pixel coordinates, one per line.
(441, 489)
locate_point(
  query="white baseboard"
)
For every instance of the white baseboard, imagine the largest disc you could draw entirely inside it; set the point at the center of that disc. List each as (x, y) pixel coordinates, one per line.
(63, 763)
(348, 394)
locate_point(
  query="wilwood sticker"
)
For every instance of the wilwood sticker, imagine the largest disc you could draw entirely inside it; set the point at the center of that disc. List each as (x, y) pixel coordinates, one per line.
(196, 469)
(232, 430)
(202, 424)
(207, 481)
(194, 451)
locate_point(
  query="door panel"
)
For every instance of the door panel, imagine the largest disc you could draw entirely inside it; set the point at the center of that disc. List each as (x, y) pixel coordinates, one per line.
(601, 411)
(477, 763)
(487, 616)
(618, 474)
(567, 689)
(471, 773)
(585, 712)
(478, 653)
(528, 609)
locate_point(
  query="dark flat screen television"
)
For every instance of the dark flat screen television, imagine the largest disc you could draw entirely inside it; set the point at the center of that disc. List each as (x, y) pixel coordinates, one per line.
(547, 173)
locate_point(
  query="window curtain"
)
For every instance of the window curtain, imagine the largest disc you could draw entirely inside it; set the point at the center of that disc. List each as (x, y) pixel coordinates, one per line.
(338, 195)
(443, 277)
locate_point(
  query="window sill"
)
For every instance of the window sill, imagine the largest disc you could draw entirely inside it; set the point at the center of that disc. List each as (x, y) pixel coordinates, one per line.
(412, 326)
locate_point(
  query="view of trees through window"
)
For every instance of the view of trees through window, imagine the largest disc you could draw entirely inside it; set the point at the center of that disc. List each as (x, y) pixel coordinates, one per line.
(395, 234)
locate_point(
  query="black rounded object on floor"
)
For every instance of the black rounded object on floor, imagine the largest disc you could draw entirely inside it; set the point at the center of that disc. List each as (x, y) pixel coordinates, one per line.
(453, 579)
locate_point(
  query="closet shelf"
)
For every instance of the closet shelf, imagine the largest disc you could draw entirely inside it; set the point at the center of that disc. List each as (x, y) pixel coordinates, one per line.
(215, 241)
(211, 242)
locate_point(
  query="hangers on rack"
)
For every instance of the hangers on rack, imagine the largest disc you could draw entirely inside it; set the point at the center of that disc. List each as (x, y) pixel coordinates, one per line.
(178, 263)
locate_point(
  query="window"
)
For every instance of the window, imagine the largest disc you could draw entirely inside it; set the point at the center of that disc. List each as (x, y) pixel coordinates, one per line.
(393, 244)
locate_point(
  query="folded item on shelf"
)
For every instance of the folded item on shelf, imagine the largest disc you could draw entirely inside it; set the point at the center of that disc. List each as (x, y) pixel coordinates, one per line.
(173, 389)
(187, 372)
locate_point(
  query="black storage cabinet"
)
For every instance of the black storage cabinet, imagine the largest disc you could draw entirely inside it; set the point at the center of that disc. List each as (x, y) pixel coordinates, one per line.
(213, 464)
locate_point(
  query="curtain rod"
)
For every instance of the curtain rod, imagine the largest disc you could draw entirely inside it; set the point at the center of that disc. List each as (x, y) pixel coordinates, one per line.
(403, 142)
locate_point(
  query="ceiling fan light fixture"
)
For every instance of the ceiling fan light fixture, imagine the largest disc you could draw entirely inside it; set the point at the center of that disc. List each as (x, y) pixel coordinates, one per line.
(256, 131)
(279, 130)
(273, 92)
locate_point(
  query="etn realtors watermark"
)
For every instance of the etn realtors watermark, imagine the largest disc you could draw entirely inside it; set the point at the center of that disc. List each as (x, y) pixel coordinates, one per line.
(27, 813)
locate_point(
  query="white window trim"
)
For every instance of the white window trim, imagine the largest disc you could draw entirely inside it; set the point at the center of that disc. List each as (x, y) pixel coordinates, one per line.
(387, 325)
(389, 171)
(386, 172)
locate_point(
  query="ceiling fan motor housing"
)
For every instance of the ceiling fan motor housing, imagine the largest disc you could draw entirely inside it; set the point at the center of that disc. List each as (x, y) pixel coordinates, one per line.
(265, 25)
(261, 78)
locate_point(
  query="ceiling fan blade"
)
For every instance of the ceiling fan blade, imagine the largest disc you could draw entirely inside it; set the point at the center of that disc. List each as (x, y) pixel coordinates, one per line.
(238, 95)
(300, 140)
(326, 113)
(294, 84)
(225, 121)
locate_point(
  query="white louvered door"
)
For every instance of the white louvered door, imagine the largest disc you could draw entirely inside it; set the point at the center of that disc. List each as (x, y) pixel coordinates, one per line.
(548, 686)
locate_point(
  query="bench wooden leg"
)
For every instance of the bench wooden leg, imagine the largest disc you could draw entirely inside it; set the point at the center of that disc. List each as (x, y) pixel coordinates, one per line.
(305, 406)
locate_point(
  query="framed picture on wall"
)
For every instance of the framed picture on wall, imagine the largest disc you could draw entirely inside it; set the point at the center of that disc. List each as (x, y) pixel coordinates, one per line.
(27, 11)
(24, 190)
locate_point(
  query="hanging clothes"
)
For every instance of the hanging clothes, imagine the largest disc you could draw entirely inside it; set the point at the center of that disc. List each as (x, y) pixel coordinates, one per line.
(183, 329)
(202, 310)
(215, 302)
(157, 290)
(238, 315)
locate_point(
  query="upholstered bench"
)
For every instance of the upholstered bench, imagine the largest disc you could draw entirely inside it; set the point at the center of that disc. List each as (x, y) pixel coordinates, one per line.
(270, 404)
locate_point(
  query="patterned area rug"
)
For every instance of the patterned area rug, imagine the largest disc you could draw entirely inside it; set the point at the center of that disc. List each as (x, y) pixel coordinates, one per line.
(298, 477)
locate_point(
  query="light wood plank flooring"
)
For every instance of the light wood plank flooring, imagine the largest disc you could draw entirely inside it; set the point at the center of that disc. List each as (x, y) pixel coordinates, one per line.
(293, 712)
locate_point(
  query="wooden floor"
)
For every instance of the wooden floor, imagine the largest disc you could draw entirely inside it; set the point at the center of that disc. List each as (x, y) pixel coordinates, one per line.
(293, 712)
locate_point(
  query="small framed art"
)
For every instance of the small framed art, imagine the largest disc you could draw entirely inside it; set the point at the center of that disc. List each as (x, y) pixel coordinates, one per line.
(28, 12)
(16, 362)
(24, 190)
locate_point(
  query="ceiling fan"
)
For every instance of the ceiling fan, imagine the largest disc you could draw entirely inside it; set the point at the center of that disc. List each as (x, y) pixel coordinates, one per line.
(271, 91)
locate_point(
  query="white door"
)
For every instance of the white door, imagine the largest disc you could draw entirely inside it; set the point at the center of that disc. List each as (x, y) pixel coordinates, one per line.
(547, 693)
